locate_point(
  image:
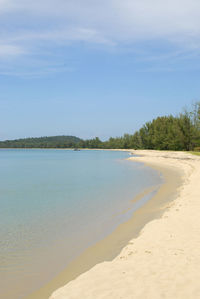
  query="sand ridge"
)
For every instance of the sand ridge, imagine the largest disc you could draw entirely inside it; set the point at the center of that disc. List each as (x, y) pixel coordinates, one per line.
(164, 261)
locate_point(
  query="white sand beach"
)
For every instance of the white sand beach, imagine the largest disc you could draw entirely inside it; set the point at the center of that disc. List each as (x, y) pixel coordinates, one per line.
(164, 260)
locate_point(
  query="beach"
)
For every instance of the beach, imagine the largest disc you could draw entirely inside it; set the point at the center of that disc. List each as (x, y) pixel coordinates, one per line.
(54, 205)
(162, 259)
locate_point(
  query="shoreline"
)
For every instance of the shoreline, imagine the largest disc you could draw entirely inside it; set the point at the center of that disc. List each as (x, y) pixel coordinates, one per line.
(163, 261)
(110, 247)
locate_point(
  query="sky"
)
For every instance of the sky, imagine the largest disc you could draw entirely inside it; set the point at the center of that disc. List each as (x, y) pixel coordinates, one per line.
(95, 68)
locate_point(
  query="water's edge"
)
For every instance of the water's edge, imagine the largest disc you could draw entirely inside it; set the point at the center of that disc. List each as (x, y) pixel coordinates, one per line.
(108, 248)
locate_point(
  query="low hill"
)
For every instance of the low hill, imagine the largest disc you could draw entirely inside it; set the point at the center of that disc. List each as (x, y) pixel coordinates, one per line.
(42, 142)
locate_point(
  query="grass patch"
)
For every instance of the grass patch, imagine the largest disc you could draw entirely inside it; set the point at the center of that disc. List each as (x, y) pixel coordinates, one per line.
(195, 153)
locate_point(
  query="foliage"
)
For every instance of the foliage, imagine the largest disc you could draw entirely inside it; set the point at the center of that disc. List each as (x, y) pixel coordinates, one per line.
(195, 153)
(180, 132)
(42, 142)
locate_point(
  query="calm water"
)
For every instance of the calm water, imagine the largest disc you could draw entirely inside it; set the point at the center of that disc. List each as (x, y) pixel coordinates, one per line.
(56, 203)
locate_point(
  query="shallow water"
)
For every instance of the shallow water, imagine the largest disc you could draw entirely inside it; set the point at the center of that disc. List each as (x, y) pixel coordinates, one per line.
(56, 203)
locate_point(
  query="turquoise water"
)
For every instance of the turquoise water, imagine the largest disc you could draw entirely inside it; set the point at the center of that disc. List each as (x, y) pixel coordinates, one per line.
(56, 203)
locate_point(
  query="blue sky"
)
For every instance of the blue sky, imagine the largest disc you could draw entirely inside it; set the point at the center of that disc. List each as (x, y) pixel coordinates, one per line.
(95, 68)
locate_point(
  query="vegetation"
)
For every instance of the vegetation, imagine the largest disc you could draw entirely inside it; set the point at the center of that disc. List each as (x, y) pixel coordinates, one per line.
(163, 133)
(180, 132)
(195, 153)
(42, 142)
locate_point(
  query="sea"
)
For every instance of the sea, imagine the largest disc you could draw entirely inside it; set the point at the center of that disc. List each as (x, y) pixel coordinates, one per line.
(56, 203)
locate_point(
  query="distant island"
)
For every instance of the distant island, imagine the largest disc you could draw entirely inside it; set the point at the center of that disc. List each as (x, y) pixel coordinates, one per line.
(42, 142)
(180, 132)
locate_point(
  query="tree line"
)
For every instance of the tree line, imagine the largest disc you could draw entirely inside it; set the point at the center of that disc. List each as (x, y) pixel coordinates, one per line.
(181, 132)
(42, 142)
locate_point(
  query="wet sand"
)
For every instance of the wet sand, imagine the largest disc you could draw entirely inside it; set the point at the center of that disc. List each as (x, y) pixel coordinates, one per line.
(164, 260)
(110, 249)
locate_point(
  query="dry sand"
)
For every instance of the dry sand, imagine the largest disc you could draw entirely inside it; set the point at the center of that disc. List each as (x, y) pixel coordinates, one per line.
(164, 260)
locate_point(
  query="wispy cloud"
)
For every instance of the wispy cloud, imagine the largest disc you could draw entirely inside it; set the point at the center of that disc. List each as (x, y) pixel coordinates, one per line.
(119, 20)
(27, 26)
(34, 72)
(7, 50)
(63, 35)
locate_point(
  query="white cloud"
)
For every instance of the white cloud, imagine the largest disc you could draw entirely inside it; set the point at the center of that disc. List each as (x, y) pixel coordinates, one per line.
(28, 25)
(10, 50)
(60, 35)
(116, 20)
(4, 5)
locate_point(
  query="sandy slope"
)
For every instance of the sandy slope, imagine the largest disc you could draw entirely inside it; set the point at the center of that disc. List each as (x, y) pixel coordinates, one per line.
(164, 261)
